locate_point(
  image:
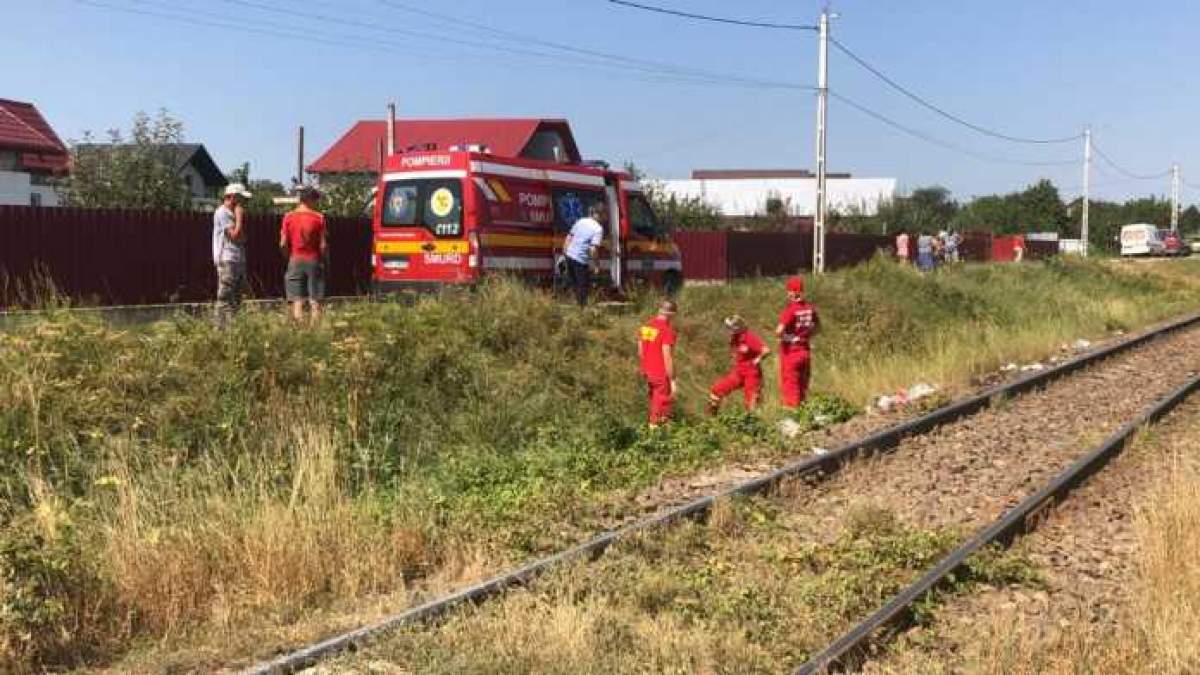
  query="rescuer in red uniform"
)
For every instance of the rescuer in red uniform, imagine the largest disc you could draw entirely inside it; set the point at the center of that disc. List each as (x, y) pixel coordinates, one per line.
(746, 374)
(656, 344)
(797, 324)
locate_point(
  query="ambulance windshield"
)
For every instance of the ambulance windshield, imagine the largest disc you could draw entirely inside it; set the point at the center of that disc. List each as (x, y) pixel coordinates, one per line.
(434, 204)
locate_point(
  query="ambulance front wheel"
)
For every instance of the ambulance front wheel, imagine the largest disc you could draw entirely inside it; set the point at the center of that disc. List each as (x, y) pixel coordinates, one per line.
(672, 283)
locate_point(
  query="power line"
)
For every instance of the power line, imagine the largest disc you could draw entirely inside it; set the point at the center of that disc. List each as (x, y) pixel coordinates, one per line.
(946, 144)
(523, 38)
(654, 68)
(664, 76)
(940, 111)
(1125, 172)
(713, 19)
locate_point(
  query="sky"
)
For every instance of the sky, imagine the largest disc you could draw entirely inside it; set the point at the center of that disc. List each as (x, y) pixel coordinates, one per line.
(667, 93)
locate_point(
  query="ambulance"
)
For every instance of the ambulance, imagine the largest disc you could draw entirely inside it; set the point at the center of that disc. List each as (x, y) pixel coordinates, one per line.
(450, 218)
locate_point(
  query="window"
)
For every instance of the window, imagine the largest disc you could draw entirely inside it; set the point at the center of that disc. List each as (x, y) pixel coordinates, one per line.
(35, 199)
(642, 219)
(570, 205)
(8, 160)
(435, 204)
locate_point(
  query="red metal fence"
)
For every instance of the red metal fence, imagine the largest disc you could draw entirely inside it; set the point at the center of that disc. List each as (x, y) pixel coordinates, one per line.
(115, 256)
(731, 255)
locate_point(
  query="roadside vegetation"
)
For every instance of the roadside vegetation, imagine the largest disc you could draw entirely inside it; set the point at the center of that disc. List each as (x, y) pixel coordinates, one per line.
(174, 489)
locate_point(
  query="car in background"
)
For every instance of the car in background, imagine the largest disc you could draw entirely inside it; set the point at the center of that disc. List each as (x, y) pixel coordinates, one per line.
(1194, 244)
(1173, 244)
(1141, 239)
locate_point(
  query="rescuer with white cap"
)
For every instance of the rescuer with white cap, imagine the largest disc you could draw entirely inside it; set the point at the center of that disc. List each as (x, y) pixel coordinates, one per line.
(229, 250)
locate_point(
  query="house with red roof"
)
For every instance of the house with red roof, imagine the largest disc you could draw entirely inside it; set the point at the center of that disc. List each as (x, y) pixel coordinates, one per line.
(361, 149)
(31, 156)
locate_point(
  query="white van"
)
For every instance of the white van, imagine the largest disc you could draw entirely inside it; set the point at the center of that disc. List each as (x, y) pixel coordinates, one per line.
(1141, 239)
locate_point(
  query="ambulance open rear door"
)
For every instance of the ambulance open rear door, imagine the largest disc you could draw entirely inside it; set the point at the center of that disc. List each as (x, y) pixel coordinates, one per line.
(616, 257)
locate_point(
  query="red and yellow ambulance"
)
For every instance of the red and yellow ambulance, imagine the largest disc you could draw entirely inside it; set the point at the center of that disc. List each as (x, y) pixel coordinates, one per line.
(451, 217)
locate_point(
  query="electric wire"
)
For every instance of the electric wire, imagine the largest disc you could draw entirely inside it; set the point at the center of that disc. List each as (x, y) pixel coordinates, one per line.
(713, 19)
(392, 48)
(655, 68)
(523, 38)
(945, 144)
(940, 111)
(1125, 172)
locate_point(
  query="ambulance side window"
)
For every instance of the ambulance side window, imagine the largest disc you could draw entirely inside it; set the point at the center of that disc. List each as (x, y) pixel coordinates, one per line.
(571, 204)
(642, 219)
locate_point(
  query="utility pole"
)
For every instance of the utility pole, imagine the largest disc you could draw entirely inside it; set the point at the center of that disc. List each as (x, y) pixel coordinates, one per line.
(1174, 197)
(822, 132)
(391, 130)
(300, 156)
(1087, 189)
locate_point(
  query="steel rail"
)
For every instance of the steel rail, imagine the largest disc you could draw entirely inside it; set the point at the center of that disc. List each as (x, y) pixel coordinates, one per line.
(809, 467)
(848, 650)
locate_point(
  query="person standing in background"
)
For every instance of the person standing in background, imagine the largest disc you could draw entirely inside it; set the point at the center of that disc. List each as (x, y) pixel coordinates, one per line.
(302, 237)
(924, 252)
(902, 244)
(229, 251)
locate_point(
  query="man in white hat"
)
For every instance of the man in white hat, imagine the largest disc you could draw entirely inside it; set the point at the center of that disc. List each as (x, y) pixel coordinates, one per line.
(229, 251)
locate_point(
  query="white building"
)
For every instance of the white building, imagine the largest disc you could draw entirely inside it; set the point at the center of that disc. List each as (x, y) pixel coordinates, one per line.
(741, 193)
(31, 156)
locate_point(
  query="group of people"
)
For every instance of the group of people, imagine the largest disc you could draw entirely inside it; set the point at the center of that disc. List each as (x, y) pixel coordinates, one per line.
(931, 249)
(798, 323)
(302, 240)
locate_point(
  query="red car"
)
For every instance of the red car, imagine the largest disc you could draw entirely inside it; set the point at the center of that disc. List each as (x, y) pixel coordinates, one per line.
(1173, 244)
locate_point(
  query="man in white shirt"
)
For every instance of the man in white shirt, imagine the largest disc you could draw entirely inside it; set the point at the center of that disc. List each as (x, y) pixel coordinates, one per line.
(580, 249)
(229, 251)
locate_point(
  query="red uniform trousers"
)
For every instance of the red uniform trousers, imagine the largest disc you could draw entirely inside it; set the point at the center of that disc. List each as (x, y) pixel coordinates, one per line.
(748, 378)
(658, 392)
(794, 372)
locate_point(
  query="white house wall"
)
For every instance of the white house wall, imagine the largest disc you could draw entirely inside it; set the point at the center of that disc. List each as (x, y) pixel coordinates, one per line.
(748, 196)
(16, 190)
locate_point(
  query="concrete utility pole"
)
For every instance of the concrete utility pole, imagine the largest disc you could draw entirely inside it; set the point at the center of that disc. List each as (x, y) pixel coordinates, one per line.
(822, 132)
(1087, 189)
(391, 130)
(1174, 197)
(300, 155)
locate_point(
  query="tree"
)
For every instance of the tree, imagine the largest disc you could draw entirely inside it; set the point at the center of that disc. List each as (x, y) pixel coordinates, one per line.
(927, 209)
(141, 172)
(688, 213)
(264, 190)
(347, 195)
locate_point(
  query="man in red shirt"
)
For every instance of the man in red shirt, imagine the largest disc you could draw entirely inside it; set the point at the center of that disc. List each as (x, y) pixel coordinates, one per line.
(302, 238)
(748, 352)
(797, 324)
(656, 345)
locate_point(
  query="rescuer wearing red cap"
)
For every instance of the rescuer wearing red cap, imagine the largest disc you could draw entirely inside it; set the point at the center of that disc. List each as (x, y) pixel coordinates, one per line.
(746, 373)
(656, 344)
(797, 324)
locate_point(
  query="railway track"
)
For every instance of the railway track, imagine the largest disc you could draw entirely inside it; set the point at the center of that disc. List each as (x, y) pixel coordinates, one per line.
(1119, 364)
